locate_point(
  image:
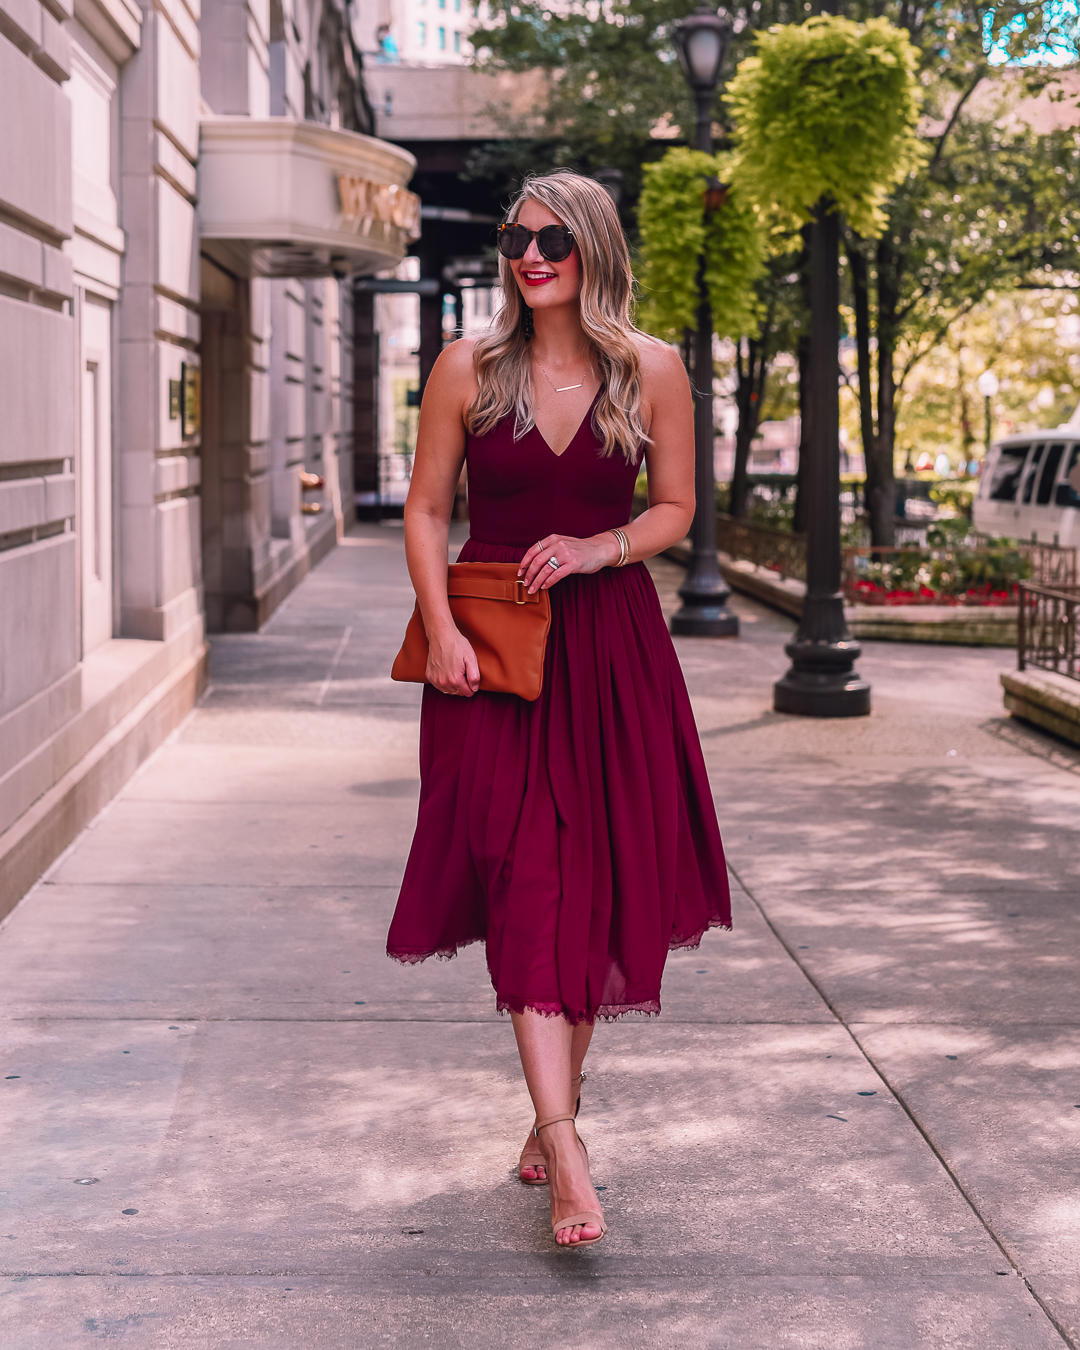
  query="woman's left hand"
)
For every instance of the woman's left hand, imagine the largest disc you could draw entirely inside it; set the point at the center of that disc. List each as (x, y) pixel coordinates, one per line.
(572, 555)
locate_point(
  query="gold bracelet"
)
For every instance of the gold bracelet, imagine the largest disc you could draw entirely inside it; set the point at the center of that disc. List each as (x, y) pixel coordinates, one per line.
(624, 547)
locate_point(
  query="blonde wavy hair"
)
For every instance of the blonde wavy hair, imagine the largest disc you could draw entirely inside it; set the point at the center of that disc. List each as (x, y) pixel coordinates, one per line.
(501, 356)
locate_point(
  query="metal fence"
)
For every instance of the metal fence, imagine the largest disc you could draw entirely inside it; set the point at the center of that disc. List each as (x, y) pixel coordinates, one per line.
(780, 551)
(972, 572)
(1046, 628)
(975, 572)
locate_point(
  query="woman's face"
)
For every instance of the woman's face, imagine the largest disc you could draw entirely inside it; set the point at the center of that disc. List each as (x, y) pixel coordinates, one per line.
(544, 284)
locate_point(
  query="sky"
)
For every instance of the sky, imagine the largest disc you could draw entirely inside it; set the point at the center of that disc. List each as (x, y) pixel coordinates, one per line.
(1061, 47)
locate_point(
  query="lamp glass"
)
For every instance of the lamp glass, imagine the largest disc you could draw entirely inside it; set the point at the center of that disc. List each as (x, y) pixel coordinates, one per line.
(987, 384)
(703, 55)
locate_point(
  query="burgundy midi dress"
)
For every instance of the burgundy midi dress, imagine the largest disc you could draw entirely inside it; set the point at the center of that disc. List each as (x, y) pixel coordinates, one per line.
(576, 835)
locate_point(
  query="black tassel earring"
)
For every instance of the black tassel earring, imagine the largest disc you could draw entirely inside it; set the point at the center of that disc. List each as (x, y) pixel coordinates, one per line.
(526, 322)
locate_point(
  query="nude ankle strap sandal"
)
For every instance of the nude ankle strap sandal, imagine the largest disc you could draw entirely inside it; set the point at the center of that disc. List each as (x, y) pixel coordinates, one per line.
(590, 1216)
(532, 1157)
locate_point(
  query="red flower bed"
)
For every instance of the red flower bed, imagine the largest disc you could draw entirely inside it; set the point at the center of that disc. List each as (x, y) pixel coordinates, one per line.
(870, 593)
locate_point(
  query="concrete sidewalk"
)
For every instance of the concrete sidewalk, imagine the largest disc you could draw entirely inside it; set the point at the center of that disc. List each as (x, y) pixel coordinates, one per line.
(230, 1121)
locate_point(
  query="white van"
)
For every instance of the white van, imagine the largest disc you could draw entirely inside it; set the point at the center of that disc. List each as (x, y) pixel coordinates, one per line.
(1029, 487)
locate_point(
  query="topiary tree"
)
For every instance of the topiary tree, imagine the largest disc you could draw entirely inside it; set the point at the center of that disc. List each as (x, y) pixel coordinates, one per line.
(826, 124)
(677, 230)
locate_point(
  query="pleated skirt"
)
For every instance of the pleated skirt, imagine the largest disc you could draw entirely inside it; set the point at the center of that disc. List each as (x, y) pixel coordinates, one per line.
(575, 836)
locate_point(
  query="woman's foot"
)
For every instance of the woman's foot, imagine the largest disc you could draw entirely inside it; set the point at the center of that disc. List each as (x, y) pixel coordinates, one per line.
(531, 1168)
(572, 1194)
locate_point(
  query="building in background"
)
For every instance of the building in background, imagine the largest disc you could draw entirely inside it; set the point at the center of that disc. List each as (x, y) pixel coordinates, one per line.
(184, 194)
(417, 32)
(434, 105)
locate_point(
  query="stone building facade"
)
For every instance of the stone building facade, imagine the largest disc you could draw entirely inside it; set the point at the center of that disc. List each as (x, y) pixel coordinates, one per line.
(184, 195)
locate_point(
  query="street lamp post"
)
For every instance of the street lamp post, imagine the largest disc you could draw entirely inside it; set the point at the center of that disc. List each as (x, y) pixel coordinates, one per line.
(611, 180)
(822, 680)
(701, 40)
(987, 385)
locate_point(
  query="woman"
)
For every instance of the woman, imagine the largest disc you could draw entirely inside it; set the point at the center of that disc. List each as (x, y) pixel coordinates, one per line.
(576, 835)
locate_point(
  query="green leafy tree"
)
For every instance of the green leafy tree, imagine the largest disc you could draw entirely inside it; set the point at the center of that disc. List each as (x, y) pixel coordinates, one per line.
(1031, 339)
(995, 209)
(783, 326)
(616, 95)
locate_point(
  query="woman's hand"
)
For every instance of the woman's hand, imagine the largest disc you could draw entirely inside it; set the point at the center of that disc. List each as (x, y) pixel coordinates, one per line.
(452, 666)
(572, 555)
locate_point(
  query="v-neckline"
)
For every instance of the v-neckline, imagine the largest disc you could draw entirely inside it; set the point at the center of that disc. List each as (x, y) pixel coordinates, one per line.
(559, 453)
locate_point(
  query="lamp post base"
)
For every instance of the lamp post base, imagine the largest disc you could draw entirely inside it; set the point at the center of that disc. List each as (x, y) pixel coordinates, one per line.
(704, 611)
(700, 620)
(822, 681)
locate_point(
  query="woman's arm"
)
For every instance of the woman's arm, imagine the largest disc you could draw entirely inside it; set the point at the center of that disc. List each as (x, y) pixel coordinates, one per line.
(668, 409)
(669, 414)
(440, 453)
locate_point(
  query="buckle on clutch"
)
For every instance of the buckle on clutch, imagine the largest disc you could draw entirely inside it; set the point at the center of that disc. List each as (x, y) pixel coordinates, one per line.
(522, 592)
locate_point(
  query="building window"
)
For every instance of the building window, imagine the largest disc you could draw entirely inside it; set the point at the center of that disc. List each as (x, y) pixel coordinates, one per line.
(442, 4)
(457, 42)
(442, 39)
(421, 34)
(457, 6)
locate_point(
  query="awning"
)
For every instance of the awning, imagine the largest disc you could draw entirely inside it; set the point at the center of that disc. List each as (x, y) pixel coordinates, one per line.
(279, 198)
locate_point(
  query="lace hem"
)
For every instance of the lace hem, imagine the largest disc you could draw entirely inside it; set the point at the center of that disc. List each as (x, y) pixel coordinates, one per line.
(677, 944)
(405, 958)
(691, 943)
(607, 1012)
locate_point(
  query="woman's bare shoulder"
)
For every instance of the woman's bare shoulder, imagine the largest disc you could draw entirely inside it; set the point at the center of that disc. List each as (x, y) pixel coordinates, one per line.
(660, 364)
(452, 382)
(457, 359)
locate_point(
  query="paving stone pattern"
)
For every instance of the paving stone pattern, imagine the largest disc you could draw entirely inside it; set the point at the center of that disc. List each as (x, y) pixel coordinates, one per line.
(229, 1121)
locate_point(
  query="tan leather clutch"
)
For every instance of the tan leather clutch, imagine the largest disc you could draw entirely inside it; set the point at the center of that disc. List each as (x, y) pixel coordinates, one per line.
(506, 625)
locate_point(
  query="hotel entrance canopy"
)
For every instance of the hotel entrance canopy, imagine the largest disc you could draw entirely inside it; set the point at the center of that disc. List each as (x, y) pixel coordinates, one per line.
(279, 198)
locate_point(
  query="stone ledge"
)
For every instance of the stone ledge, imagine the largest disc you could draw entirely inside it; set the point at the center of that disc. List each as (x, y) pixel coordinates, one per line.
(229, 612)
(1049, 701)
(109, 683)
(45, 829)
(960, 625)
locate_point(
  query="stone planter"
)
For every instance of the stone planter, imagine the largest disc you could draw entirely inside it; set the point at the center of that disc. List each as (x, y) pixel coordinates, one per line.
(960, 625)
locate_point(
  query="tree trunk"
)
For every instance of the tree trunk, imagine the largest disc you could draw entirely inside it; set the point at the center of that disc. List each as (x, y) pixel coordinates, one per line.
(798, 523)
(749, 388)
(967, 427)
(880, 491)
(880, 477)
